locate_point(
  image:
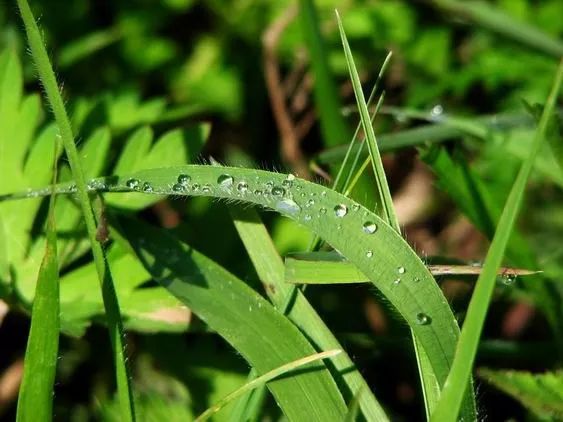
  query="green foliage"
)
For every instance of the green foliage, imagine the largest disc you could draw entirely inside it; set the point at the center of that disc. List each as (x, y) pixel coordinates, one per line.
(541, 393)
(151, 88)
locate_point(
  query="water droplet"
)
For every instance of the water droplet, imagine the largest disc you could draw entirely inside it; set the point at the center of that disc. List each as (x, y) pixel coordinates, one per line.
(242, 187)
(397, 282)
(288, 183)
(369, 253)
(401, 270)
(355, 207)
(307, 217)
(257, 192)
(508, 279)
(184, 179)
(437, 111)
(416, 279)
(422, 319)
(225, 181)
(369, 227)
(340, 210)
(303, 194)
(310, 203)
(269, 185)
(133, 183)
(322, 211)
(339, 227)
(206, 188)
(323, 193)
(278, 191)
(178, 187)
(288, 205)
(147, 187)
(195, 187)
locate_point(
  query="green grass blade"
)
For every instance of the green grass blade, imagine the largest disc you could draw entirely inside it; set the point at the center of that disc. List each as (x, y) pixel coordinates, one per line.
(270, 268)
(333, 126)
(263, 379)
(54, 97)
(379, 172)
(357, 233)
(484, 15)
(35, 401)
(260, 333)
(332, 268)
(429, 380)
(448, 407)
(442, 130)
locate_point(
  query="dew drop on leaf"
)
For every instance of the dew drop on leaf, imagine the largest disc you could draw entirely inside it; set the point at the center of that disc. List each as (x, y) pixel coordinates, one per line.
(278, 191)
(322, 211)
(225, 181)
(355, 207)
(206, 188)
(397, 282)
(184, 179)
(147, 187)
(195, 187)
(307, 217)
(401, 270)
(178, 187)
(133, 183)
(310, 203)
(288, 206)
(340, 210)
(422, 319)
(369, 254)
(369, 227)
(242, 187)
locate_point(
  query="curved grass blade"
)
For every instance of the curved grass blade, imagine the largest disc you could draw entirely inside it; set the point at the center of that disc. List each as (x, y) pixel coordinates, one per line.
(270, 268)
(449, 404)
(49, 81)
(260, 333)
(35, 401)
(263, 379)
(354, 231)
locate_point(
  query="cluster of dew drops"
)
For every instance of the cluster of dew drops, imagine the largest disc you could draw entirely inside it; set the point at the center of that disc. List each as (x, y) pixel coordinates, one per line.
(283, 197)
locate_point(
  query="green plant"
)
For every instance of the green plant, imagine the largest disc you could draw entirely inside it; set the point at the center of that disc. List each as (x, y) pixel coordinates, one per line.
(161, 276)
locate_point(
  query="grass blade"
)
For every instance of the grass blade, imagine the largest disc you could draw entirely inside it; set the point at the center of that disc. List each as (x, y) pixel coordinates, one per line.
(429, 379)
(263, 379)
(378, 170)
(35, 401)
(357, 233)
(448, 407)
(111, 304)
(486, 16)
(269, 267)
(261, 334)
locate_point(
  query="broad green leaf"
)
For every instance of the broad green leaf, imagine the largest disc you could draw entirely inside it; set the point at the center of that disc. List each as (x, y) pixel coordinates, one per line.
(540, 393)
(248, 322)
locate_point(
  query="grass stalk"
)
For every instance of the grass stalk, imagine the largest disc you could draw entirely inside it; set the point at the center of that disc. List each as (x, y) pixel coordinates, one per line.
(113, 316)
(456, 383)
